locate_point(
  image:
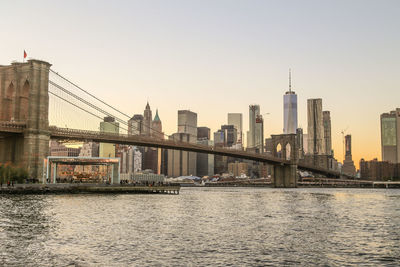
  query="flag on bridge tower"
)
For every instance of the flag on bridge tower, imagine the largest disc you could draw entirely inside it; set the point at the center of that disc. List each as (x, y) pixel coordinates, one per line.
(25, 54)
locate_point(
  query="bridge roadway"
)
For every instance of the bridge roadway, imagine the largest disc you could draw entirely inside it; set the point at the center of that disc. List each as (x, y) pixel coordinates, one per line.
(137, 140)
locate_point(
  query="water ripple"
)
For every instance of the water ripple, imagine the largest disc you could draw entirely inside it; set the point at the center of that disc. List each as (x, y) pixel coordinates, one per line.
(203, 226)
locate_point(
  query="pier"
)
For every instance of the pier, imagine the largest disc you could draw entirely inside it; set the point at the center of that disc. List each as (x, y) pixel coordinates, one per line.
(88, 188)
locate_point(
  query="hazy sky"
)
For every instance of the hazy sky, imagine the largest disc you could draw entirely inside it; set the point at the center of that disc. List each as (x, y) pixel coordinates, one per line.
(215, 57)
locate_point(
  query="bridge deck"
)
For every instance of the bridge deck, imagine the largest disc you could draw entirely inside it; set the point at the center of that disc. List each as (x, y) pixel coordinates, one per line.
(95, 136)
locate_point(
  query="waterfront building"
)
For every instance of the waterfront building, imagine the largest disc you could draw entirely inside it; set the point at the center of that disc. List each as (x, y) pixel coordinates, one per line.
(238, 168)
(255, 135)
(290, 110)
(379, 170)
(315, 128)
(236, 119)
(327, 132)
(390, 136)
(348, 163)
(109, 125)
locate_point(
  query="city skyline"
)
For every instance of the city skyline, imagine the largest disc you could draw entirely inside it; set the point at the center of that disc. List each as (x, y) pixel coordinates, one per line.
(353, 71)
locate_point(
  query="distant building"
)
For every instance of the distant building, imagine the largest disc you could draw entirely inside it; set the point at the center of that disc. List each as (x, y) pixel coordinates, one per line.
(108, 126)
(327, 132)
(203, 133)
(183, 163)
(205, 162)
(348, 163)
(315, 129)
(236, 119)
(290, 110)
(156, 127)
(147, 119)
(89, 149)
(255, 135)
(230, 135)
(187, 123)
(135, 125)
(238, 168)
(390, 136)
(379, 170)
(59, 149)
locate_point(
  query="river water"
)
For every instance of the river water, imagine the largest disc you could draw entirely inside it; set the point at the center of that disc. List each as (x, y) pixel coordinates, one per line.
(203, 226)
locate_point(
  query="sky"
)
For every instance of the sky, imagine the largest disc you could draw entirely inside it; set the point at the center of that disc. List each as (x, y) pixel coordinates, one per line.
(215, 57)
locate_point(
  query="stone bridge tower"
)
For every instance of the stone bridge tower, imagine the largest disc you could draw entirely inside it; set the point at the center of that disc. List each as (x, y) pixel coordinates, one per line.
(24, 100)
(285, 146)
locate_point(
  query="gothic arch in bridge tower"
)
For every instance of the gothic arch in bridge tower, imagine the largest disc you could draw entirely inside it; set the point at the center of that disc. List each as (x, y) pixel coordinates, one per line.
(278, 150)
(8, 103)
(287, 145)
(24, 102)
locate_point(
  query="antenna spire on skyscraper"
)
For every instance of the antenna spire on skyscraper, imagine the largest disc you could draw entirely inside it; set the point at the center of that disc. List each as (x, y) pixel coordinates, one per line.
(290, 80)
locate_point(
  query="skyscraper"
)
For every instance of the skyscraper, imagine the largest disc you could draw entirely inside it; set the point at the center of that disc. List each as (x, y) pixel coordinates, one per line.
(348, 163)
(147, 119)
(390, 136)
(290, 110)
(135, 125)
(108, 126)
(204, 161)
(315, 128)
(255, 135)
(183, 162)
(327, 132)
(236, 119)
(156, 127)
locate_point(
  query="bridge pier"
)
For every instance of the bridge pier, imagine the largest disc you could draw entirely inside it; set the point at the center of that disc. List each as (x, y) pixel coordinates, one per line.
(285, 176)
(24, 99)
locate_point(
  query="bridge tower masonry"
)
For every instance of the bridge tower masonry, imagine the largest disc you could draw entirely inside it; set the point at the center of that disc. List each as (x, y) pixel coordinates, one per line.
(285, 146)
(24, 100)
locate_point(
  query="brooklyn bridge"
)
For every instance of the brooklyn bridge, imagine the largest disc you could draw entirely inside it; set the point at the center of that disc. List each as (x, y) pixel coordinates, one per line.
(25, 132)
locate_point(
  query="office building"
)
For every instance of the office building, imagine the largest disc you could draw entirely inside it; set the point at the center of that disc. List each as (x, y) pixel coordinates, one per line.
(315, 128)
(290, 110)
(236, 119)
(390, 136)
(203, 133)
(147, 119)
(348, 163)
(229, 134)
(182, 163)
(108, 126)
(135, 125)
(326, 115)
(255, 135)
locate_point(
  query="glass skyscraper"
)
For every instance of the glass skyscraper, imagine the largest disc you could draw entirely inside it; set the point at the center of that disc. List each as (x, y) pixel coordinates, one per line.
(290, 110)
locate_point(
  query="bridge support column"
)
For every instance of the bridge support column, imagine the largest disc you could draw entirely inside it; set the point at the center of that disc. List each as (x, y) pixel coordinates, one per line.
(285, 176)
(24, 90)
